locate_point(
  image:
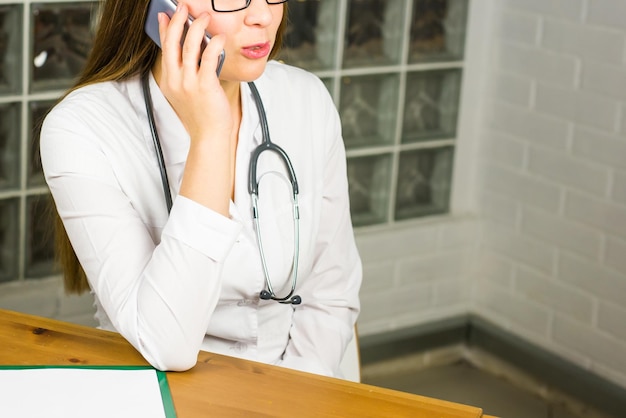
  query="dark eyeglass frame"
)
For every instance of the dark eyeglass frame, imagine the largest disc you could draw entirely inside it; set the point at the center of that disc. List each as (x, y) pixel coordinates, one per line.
(246, 6)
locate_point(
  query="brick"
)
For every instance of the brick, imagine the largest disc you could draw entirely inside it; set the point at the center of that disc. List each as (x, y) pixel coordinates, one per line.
(494, 268)
(569, 9)
(512, 89)
(554, 295)
(503, 149)
(564, 170)
(588, 42)
(578, 107)
(518, 27)
(519, 312)
(523, 249)
(459, 233)
(377, 275)
(604, 80)
(541, 65)
(607, 13)
(452, 292)
(612, 319)
(393, 243)
(387, 306)
(615, 256)
(497, 208)
(35, 297)
(565, 234)
(521, 187)
(599, 347)
(87, 319)
(600, 214)
(74, 305)
(609, 150)
(445, 265)
(618, 192)
(533, 127)
(600, 281)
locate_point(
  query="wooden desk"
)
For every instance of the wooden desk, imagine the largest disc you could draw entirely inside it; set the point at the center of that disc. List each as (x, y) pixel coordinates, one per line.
(218, 385)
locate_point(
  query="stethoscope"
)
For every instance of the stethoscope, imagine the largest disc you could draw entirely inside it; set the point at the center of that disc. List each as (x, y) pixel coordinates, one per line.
(253, 189)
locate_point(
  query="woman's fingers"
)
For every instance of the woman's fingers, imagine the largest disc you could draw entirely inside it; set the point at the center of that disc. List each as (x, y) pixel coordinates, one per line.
(192, 46)
(183, 58)
(212, 54)
(193, 90)
(171, 32)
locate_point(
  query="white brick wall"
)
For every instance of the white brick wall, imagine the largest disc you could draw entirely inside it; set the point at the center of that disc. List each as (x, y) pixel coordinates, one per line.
(527, 125)
(546, 66)
(416, 273)
(588, 42)
(558, 268)
(46, 298)
(560, 168)
(569, 9)
(608, 13)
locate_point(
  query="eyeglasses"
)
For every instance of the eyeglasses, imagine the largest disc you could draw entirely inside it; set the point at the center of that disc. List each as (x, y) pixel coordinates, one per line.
(236, 5)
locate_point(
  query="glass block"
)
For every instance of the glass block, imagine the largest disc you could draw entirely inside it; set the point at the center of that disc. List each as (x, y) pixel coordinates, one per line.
(9, 216)
(424, 182)
(62, 38)
(431, 105)
(10, 48)
(40, 260)
(374, 31)
(38, 111)
(437, 30)
(369, 179)
(368, 108)
(311, 37)
(9, 145)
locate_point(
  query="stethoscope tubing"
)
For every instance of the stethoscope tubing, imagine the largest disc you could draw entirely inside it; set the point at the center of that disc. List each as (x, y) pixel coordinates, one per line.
(253, 188)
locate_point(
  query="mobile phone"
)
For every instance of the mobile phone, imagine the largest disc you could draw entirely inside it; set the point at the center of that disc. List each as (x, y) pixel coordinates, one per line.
(169, 7)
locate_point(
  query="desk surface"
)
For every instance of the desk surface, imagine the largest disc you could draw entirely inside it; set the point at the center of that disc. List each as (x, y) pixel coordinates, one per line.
(218, 385)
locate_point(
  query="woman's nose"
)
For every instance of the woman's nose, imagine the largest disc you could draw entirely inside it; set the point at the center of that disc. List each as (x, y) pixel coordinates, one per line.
(259, 12)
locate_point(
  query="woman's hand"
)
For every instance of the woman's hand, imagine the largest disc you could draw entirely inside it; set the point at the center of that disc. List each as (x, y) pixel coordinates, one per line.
(196, 94)
(193, 90)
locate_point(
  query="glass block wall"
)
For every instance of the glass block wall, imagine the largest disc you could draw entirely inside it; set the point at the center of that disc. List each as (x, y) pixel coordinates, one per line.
(43, 46)
(394, 68)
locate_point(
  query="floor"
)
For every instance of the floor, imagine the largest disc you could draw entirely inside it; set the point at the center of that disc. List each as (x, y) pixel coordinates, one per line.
(463, 382)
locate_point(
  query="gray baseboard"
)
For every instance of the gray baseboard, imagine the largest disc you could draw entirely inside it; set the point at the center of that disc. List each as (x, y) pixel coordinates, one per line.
(476, 332)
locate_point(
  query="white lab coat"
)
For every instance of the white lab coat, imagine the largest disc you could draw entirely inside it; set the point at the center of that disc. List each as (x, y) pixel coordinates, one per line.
(174, 285)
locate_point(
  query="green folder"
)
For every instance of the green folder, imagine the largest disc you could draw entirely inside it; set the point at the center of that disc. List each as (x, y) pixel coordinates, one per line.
(166, 395)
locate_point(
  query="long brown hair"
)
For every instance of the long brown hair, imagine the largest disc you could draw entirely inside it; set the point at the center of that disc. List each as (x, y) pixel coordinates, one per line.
(121, 50)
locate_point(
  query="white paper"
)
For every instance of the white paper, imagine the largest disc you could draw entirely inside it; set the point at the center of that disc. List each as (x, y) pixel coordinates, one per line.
(80, 393)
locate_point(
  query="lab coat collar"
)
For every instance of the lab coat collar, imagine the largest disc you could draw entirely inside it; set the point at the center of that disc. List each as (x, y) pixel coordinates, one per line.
(172, 134)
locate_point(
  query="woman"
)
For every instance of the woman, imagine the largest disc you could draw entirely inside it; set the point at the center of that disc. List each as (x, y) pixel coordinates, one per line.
(175, 283)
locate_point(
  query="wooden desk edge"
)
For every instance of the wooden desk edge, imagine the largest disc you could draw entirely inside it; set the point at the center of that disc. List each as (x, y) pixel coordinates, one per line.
(41, 334)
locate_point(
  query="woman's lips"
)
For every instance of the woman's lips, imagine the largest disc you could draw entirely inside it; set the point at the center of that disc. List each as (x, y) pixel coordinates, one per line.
(256, 51)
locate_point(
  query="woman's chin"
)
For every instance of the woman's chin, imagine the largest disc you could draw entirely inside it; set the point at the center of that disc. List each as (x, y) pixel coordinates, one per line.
(243, 73)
